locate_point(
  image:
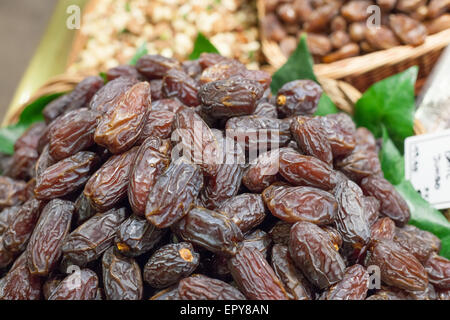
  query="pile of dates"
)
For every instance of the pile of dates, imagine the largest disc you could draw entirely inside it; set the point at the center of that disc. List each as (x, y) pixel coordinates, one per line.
(339, 29)
(192, 181)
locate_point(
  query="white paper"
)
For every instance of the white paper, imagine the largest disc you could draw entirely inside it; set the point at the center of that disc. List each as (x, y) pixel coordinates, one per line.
(427, 166)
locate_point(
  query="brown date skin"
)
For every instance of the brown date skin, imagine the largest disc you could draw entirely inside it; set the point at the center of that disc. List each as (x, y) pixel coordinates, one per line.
(398, 267)
(86, 290)
(173, 105)
(223, 186)
(298, 97)
(381, 38)
(349, 50)
(259, 240)
(66, 176)
(50, 285)
(292, 204)
(179, 84)
(438, 269)
(78, 98)
(334, 235)
(383, 229)
(156, 66)
(372, 208)
(311, 138)
(22, 166)
(356, 10)
(108, 96)
(83, 209)
(122, 71)
(266, 109)
(193, 68)
(409, 31)
(122, 279)
(109, 184)
(230, 98)
(211, 230)
(227, 180)
(12, 192)
(87, 242)
(259, 133)
(148, 165)
(171, 263)
(351, 219)
(262, 171)
(56, 108)
(222, 70)
(246, 210)
(6, 257)
(136, 236)
(119, 128)
(353, 285)
(255, 277)
(360, 164)
(156, 89)
(30, 138)
(272, 28)
(304, 170)
(314, 253)
(174, 193)
(170, 293)
(264, 78)
(207, 59)
(418, 242)
(71, 133)
(392, 204)
(44, 161)
(7, 216)
(19, 283)
(200, 287)
(293, 281)
(44, 247)
(320, 18)
(198, 142)
(16, 236)
(439, 24)
(280, 233)
(318, 44)
(340, 131)
(158, 123)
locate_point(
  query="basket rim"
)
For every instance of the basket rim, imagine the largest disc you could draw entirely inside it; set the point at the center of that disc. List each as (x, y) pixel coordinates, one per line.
(359, 65)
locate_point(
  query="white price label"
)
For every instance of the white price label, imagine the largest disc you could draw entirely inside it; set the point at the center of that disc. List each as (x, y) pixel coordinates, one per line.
(427, 166)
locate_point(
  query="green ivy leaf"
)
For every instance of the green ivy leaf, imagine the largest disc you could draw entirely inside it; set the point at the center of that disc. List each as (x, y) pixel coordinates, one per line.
(389, 103)
(141, 51)
(202, 44)
(298, 66)
(392, 162)
(31, 114)
(326, 106)
(426, 217)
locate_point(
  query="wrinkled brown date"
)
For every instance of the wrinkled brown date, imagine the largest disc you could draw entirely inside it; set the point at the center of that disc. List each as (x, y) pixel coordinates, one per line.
(171, 263)
(92, 238)
(200, 287)
(85, 289)
(255, 277)
(211, 230)
(109, 184)
(314, 253)
(173, 193)
(44, 247)
(66, 176)
(122, 278)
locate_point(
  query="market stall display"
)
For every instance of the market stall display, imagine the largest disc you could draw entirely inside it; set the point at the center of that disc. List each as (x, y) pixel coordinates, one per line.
(347, 46)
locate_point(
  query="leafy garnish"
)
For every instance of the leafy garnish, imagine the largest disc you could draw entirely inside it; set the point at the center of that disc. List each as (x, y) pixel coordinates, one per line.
(201, 45)
(141, 51)
(31, 114)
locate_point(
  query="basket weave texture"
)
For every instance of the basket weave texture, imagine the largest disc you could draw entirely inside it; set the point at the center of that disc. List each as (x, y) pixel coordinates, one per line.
(365, 70)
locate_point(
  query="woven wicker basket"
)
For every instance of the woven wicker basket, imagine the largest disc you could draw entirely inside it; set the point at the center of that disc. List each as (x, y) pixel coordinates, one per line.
(363, 71)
